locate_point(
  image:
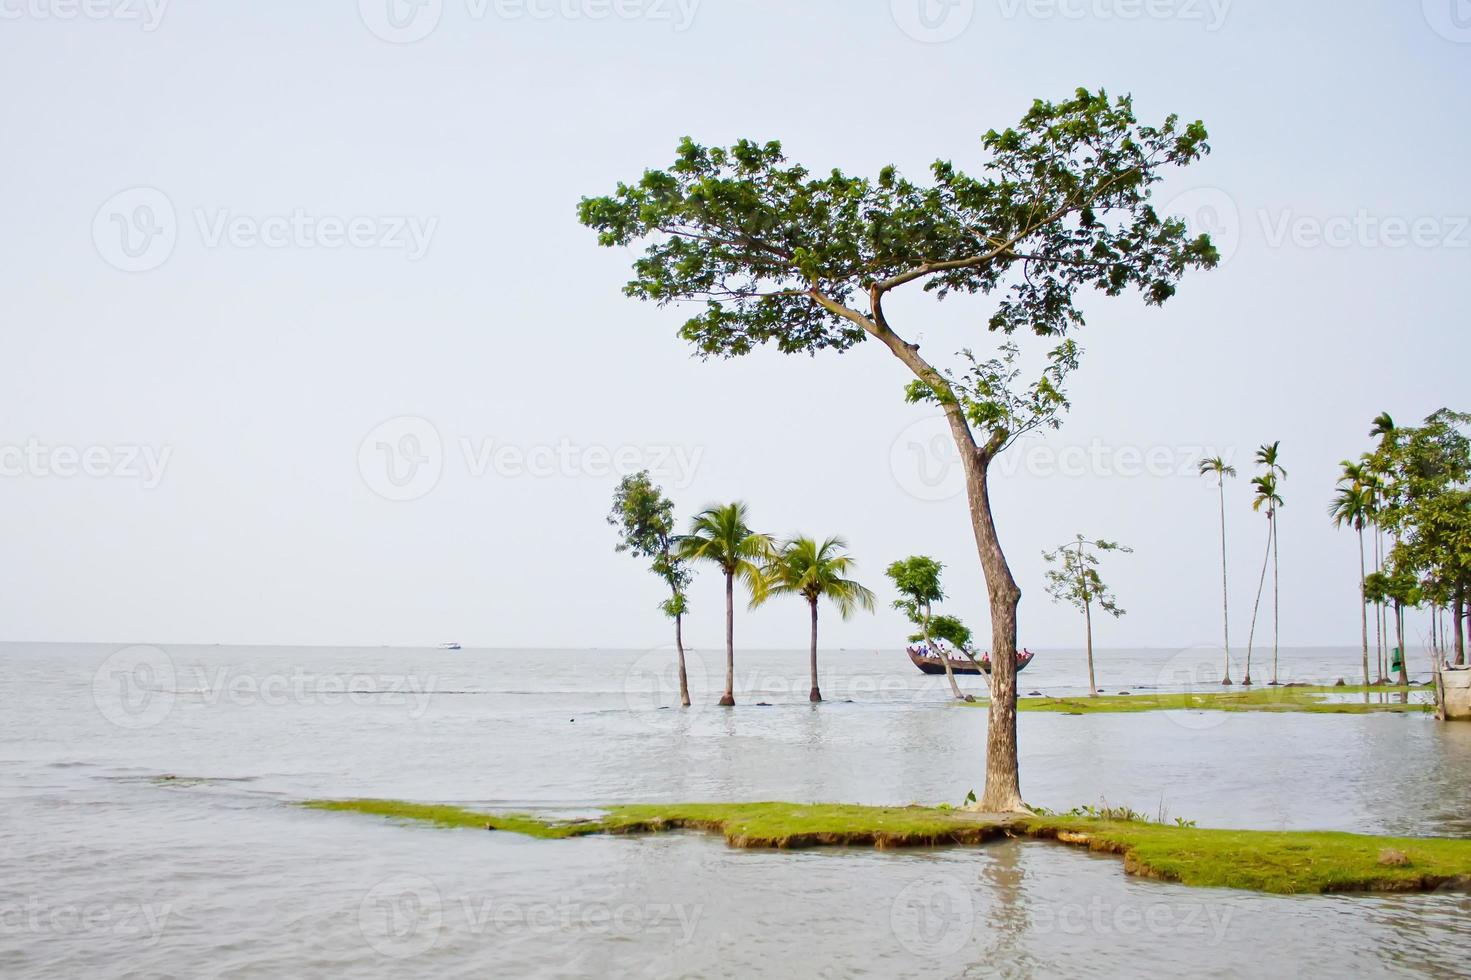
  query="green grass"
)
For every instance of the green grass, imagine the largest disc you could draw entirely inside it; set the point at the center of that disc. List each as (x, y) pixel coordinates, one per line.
(1284, 862)
(1312, 700)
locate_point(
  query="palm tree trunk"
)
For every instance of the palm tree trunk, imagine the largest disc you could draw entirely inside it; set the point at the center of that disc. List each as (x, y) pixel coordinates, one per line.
(1399, 632)
(815, 695)
(1379, 643)
(1225, 590)
(728, 701)
(1276, 600)
(1363, 605)
(1255, 609)
(684, 680)
(1088, 621)
(1460, 628)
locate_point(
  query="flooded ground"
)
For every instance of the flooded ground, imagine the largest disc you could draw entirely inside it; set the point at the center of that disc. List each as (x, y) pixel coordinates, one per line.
(108, 869)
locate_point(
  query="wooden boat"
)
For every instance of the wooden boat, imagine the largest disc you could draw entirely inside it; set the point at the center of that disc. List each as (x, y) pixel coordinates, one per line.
(963, 664)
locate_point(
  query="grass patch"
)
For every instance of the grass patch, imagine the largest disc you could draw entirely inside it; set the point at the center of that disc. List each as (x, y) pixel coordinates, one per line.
(1312, 700)
(1283, 862)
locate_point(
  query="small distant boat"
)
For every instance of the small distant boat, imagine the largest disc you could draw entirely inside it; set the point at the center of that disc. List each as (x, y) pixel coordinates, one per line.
(932, 664)
(449, 646)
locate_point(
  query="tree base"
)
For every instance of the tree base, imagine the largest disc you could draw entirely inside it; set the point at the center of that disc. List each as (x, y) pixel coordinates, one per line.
(1227, 683)
(815, 696)
(727, 702)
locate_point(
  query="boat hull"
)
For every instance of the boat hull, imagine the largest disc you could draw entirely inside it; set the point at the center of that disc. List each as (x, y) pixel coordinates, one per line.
(931, 665)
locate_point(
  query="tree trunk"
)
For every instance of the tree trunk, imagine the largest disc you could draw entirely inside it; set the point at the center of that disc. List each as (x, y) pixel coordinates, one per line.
(1002, 792)
(1225, 590)
(955, 690)
(684, 680)
(728, 701)
(1364, 605)
(1256, 609)
(1003, 782)
(814, 695)
(1276, 600)
(1460, 629)
(1399, 632)
(1381, 625)
(1088, 621)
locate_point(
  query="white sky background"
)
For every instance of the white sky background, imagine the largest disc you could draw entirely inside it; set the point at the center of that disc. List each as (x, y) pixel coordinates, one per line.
(262, 370)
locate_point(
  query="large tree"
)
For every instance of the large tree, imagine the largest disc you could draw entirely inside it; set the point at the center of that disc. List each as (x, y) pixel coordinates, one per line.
(776, 254)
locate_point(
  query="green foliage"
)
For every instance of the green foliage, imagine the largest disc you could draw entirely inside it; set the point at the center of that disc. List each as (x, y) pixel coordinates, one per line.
(811, 570)
(773, 253)
(720, 534)
(644, 518)
(949, 629)
(1416, 484)
(1218, 467)
(1268, 485)
(1074, 579)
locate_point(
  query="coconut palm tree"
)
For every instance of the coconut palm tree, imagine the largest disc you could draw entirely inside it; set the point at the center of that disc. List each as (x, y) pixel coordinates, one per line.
(1218, 468)
(1266, 496)
(1352, 506)
(720, 535)
(811, 570)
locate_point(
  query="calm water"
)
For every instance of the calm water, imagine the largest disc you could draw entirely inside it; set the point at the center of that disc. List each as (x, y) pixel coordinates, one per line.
(107, 869)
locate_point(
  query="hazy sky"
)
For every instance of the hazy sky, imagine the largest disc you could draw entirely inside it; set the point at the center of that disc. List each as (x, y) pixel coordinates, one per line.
(303, 342)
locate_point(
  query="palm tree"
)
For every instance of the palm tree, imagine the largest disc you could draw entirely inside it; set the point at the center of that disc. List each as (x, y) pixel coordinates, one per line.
(1218, 468)
(1268, 497)
(719, 534)
(811, 570)
(1352, 506)
(1267, 456)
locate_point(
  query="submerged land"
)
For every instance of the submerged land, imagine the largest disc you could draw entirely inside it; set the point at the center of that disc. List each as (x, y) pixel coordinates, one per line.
(1348, 700)
(1282, 862)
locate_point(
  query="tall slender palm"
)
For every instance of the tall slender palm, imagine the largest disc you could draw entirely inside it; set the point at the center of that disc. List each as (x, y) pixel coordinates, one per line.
(1351, 506)
(1268, 497)
(1374, 499)
(719, 534)
(1268, 457)
(1383, 429)
(1218, 468)
(811, 570)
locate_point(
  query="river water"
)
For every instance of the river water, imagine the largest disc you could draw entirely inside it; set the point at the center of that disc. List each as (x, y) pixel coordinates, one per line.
(147, 825)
